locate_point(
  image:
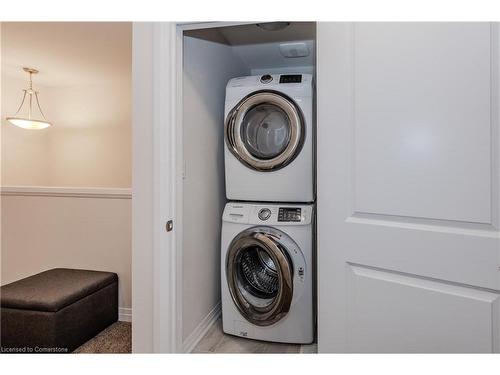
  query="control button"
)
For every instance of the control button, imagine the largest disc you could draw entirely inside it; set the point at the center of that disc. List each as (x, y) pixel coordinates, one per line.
(264, 214)
(266, 78)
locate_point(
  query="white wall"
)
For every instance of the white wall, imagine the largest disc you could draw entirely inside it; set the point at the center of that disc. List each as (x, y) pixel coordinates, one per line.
(207, 68)
(265, 58)
(39, 233)
(89, 145)
(87, 157)
(85, 90)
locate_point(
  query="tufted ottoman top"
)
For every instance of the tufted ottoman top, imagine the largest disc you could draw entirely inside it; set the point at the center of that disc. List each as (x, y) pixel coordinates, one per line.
(54, 289)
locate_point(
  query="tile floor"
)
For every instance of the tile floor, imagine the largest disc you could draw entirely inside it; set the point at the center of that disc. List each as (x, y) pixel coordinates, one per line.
(216, 341)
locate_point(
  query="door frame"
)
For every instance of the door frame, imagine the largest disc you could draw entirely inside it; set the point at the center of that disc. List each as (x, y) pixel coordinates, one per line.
(153, 256)
(165, 41)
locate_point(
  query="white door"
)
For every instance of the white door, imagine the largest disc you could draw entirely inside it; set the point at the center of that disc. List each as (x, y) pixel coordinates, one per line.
(408, 187)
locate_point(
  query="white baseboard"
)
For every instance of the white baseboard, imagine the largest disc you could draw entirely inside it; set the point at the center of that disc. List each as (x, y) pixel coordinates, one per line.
(124, 314)
(194, 338)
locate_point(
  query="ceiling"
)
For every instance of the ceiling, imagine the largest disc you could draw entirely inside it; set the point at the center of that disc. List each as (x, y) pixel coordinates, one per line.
(67, 53)
(252, 34)
(260, 49)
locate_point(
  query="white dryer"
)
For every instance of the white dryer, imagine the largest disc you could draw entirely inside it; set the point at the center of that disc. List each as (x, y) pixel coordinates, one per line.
(267, 272)
(269, 138)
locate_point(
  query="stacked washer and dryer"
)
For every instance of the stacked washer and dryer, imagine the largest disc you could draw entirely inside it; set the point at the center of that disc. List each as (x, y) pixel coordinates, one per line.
(267, 252)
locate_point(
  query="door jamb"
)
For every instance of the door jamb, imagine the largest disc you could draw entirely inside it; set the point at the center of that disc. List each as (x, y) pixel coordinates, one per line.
(168, 176)
(165, 329)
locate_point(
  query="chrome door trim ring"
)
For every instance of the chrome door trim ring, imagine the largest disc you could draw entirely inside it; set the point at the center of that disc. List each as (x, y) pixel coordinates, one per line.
(297, 130)
(281, 305)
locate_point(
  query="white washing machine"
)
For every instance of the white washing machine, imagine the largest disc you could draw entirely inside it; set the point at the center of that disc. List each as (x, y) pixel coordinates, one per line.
(267, 272)
(269, 138)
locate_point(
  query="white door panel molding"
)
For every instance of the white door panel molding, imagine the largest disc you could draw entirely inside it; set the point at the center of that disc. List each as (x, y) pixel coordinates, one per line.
(415, 314)
(422, 120)
(408, 181)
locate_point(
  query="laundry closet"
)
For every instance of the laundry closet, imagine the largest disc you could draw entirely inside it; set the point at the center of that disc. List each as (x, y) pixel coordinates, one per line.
(211, 57)
(407, 178)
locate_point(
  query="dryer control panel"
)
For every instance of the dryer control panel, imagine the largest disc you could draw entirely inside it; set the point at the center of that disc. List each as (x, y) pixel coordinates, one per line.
(268, 214)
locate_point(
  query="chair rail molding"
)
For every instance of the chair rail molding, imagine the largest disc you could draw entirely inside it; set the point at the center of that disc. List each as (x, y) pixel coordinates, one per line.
(68, 192)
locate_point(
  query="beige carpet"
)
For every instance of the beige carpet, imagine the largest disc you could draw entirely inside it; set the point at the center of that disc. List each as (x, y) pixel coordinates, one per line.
(117, 338)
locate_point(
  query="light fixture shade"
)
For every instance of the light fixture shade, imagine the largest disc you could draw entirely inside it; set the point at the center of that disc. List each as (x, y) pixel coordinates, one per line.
(28, 124)
(31, 95)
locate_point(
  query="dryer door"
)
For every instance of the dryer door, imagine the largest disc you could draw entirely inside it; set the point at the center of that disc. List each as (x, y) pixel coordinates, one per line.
(259, 273)
(265, 130)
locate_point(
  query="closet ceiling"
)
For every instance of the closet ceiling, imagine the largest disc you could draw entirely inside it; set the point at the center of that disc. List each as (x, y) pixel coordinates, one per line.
(253, 34)
(260, 49)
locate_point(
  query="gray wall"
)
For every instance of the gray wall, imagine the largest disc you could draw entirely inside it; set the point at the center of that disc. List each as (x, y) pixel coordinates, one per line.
(207, 68)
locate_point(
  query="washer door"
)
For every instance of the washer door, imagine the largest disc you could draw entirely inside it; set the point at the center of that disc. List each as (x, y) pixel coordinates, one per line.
(265, 130)
(260, 276)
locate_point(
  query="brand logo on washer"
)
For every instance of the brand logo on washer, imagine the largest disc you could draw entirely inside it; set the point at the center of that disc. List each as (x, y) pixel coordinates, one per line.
(244, 333)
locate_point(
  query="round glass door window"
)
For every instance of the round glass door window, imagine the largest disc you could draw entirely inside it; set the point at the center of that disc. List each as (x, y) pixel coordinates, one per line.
(260, 277)
(265, 131)
(258, 280)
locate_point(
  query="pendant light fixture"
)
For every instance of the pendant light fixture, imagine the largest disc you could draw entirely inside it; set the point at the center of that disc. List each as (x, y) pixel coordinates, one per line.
(30, 122)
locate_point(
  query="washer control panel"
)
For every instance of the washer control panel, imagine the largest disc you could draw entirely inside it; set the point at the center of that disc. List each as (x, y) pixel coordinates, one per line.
(290, 214)
(270, 214)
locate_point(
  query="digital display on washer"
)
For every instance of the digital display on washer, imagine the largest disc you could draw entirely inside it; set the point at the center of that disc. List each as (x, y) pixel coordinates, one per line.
(289, 214)
(291, 78)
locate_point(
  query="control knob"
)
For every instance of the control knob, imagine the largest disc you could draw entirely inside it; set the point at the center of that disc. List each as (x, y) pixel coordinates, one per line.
(266, 78)
(264, 214)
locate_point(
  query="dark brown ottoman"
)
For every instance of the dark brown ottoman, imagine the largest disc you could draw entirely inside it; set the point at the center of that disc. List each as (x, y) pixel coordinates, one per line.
(57, 310)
